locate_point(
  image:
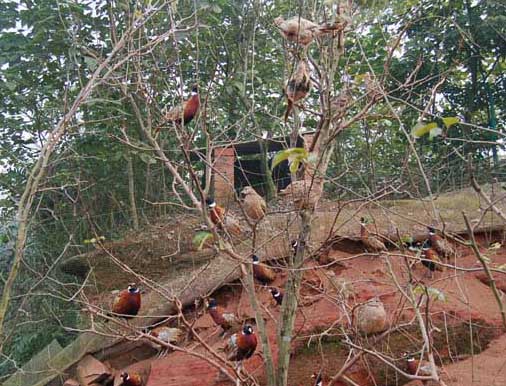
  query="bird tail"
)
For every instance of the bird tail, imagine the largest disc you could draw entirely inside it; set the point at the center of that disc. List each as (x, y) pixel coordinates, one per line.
(331, 27)
(288, 109)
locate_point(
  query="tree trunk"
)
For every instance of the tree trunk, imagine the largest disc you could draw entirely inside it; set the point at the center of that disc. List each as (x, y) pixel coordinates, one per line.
(131, 191)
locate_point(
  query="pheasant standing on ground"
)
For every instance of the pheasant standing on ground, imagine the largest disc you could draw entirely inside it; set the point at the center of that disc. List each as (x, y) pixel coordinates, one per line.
(254, 204)
(186, 111)
(277, 295)
(128, 302)
(430, 258)
(371, 242)
(241, 345)
(303, 31)
(262, 273)
(131, 379)
(442, 246)
(298, 86)
(318, 380)
(166, 334)
(417, 367)
(226, 321)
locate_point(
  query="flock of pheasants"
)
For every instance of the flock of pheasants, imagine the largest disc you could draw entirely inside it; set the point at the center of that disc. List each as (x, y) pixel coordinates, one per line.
(242, 340)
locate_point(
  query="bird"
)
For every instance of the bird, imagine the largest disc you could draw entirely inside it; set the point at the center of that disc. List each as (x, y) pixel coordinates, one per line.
(318, 380)
(166, 334)
(128, 302)
(304, 193)
(226, 321)
(298, 86)
(262, 273)
(254, 204)
(186, 111)
(241, 345)
(130, 379)
(430, 258)
(371, 242)
(417, 367)
(222, 219)
(303, 31)
(277, 295)
(442, 246)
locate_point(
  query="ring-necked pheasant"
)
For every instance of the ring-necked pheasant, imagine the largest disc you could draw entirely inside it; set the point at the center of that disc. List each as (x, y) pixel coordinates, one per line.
(262, 273)
(241, 345)
(417, 367)
(442, 246)
(226, 320)
(277, 295)
(130, 379)
(184, 112)
(370, 241)
(128, 302)
(222, 219)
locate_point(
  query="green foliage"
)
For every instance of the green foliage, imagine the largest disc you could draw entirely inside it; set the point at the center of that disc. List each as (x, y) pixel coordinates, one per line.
(200, 239)
(294, 156)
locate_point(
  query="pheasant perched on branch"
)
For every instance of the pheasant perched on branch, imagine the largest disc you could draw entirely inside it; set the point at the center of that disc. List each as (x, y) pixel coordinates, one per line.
(184, 112)
(298, 86)
(223, 220)
(254, 204)
(128, 302)
(303, 31)
(370, 241)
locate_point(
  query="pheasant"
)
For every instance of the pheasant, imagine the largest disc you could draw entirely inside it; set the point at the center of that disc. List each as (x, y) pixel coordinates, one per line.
(254, 204)
(371, 242)
(186, 111)
(303, 31)
(442, 246)
(298, 86)
(262, 273)
(127, 303)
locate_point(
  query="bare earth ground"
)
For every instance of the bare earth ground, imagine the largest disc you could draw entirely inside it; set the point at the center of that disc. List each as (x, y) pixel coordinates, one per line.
(468, 322)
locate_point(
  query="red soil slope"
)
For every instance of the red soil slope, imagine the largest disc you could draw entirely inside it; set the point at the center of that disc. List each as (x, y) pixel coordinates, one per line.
(467, 299)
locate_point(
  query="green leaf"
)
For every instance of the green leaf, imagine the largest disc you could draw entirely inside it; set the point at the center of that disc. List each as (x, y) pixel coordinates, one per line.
(436, 131)
(421, 128)
(295, 154)
(450, 121)
(200, 239)
(294, 166)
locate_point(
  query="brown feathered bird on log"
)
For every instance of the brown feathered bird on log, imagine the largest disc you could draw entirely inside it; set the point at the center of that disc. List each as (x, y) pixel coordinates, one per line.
(370, 241)
(222, 219)
(304, 193)
(298, 86)
(254, 204)
(128, 302)
(303, 31)
(186, 111)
